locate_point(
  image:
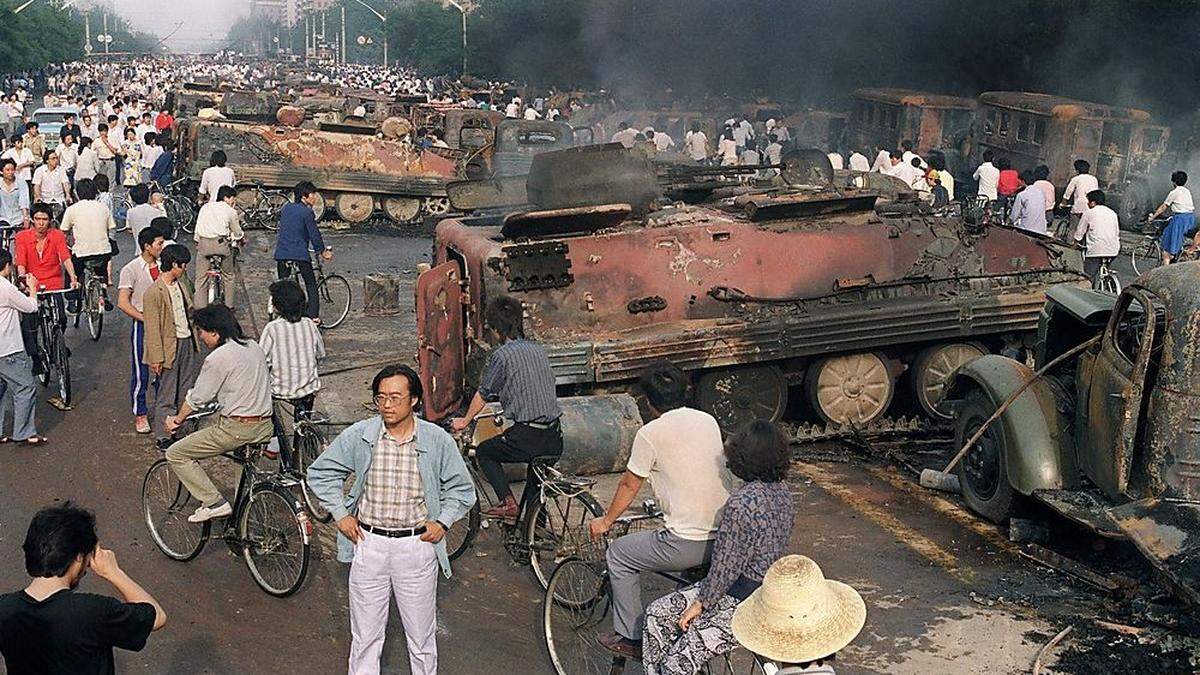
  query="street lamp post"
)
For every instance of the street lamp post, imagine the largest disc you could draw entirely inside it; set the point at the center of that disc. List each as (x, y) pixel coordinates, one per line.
(464, 7)
(383, 20)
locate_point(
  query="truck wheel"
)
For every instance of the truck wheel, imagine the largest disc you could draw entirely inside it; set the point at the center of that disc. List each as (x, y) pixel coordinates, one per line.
(852, 389)
(354, 207)
(738, 396)
(983, 473)
(931, 373)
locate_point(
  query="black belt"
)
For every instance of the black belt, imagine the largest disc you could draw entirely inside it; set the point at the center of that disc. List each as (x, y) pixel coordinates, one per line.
(540, 425)
(393, 534)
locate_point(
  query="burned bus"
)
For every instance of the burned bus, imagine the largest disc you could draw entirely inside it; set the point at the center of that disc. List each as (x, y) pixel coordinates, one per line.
(883, 118)
(1122, 144)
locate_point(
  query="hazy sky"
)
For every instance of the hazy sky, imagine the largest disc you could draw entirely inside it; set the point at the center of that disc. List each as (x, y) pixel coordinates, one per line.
(204, 22)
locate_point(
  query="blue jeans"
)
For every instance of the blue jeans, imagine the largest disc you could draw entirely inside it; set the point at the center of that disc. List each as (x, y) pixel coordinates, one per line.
(16, 376)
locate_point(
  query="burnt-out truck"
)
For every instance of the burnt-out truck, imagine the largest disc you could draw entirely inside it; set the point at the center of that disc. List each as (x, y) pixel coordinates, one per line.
(1110, 438)
(355, 174)
(806, 291)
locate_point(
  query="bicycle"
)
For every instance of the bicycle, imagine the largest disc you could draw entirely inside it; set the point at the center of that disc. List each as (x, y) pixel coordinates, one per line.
(121, 203)
(552, 523)
(1147, 254)
(268, 528)
(52, 344)
(7, 233)
(212, 276)
(333, 292)
(307, 445)
(575, 608)
(94, 295)
(181, 209)
(265, 207)
(1106, 280)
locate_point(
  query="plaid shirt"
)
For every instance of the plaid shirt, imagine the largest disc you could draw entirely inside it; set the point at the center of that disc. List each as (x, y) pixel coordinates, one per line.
(393, 497)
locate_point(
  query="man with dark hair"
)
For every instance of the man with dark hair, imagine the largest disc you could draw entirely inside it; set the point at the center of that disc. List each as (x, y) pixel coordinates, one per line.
(988, 177)
(163, 169)
(1078, 189)
(681, 452)
(50, 628)
(410, 486)
(297, 234)
(235, 376)
(519, 377)
(14, 195)
(136, 277)
(170, 349)
(1100, 231)
(218, 232)
(142, 214)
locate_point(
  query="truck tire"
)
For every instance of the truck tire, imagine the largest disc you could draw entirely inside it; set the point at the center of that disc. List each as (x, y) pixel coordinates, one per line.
(854, 389)
(983, 472)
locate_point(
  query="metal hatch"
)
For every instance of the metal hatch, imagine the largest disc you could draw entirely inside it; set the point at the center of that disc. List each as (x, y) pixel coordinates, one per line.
(441, 342)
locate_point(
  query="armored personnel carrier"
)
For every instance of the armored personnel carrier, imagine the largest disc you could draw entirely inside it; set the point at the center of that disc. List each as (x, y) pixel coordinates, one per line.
(807, 296)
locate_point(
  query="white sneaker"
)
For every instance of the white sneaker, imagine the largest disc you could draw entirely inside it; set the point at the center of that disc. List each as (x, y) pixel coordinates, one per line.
(205, 513)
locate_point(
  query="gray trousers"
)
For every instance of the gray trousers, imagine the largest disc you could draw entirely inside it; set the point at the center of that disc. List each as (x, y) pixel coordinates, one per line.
(172, 385)
(629, 556)
(16, 377)
(210, 246)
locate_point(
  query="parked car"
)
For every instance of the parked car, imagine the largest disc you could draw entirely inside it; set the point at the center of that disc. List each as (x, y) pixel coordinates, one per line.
(50, 121)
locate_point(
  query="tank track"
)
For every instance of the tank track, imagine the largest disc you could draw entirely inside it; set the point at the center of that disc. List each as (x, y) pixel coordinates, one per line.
(881, 428)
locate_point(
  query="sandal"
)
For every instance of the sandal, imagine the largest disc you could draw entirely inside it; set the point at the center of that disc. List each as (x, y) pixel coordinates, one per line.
(35, 440)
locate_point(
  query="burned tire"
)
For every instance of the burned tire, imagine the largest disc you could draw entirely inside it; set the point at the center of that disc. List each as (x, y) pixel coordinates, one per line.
(983, 472)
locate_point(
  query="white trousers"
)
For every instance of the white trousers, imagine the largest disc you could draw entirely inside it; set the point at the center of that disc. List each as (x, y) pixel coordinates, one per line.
(408, 568)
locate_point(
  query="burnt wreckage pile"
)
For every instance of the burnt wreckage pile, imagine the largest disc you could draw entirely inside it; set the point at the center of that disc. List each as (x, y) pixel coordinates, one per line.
(800, 289)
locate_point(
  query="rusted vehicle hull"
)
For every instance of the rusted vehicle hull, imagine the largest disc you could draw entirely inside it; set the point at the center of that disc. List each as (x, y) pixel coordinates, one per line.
(748, 307)
(355, 174)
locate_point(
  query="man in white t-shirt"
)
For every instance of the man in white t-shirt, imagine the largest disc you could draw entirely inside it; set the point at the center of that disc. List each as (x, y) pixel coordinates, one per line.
(1077, 190)
(682, 455)
(50, 183)
(696, 142)
(859, 162)
(989, 177)
(21, 155)
(1100, 231)
(215, 176)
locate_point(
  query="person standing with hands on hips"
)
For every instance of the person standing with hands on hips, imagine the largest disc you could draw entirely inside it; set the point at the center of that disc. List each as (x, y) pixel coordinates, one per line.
(410, 485)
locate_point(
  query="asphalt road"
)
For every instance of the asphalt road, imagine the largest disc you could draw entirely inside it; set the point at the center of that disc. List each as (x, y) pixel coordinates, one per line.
(945, 592)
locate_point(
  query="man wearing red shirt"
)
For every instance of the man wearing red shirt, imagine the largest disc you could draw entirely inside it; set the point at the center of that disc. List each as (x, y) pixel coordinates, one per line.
(42, 251)
(163, 121)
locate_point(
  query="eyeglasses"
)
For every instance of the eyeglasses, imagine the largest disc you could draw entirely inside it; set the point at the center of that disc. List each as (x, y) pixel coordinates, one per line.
(388, 400)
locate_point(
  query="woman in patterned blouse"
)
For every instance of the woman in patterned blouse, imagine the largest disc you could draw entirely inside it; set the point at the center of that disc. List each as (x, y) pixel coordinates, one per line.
(688, 627)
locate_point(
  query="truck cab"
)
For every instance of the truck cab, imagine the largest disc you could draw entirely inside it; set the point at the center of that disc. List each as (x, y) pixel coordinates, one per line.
(1111, 437)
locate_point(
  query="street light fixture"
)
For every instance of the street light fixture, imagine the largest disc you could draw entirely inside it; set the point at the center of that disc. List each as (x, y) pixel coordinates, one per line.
(383, 20)
(464, 7)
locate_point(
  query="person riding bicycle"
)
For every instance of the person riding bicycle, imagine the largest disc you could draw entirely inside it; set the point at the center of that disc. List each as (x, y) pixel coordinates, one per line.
(518, 375)
(682, 455)
(236, 376)
(690, 626)
(218, 232)
(90, 223)
(1100, 233)
(293, 345)
(297, 233)
(1183, 217)
(41, 251)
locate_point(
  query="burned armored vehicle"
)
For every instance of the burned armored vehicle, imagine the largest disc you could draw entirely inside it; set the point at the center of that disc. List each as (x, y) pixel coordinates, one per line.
(807, 292)
(1109, 436)
(355, 174)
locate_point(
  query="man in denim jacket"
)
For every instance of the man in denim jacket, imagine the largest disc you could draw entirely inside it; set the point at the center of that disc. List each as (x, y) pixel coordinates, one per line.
(410, 485)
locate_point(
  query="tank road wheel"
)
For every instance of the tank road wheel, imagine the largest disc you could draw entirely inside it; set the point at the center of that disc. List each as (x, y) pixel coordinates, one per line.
(983, 473)
(354, 207)
(932, 370)
(401, 210)
(852, 389)
(318, 206)
(436, 206)
(738, 396)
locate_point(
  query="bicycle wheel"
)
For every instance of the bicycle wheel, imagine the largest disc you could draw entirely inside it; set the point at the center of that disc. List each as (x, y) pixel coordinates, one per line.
(462, 534)
(1108, 283)
(737, 662)
(178, 210)
(166, 505)
(308, 448)
(275, 202)
(43, 355)
(1146, 256)
(556, 529)
(274, 533)
(334, 292)
(574, 610)
(94, 306)
(62, 366)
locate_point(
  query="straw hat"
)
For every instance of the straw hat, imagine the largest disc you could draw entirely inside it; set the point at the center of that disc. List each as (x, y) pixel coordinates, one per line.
(798, 615)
